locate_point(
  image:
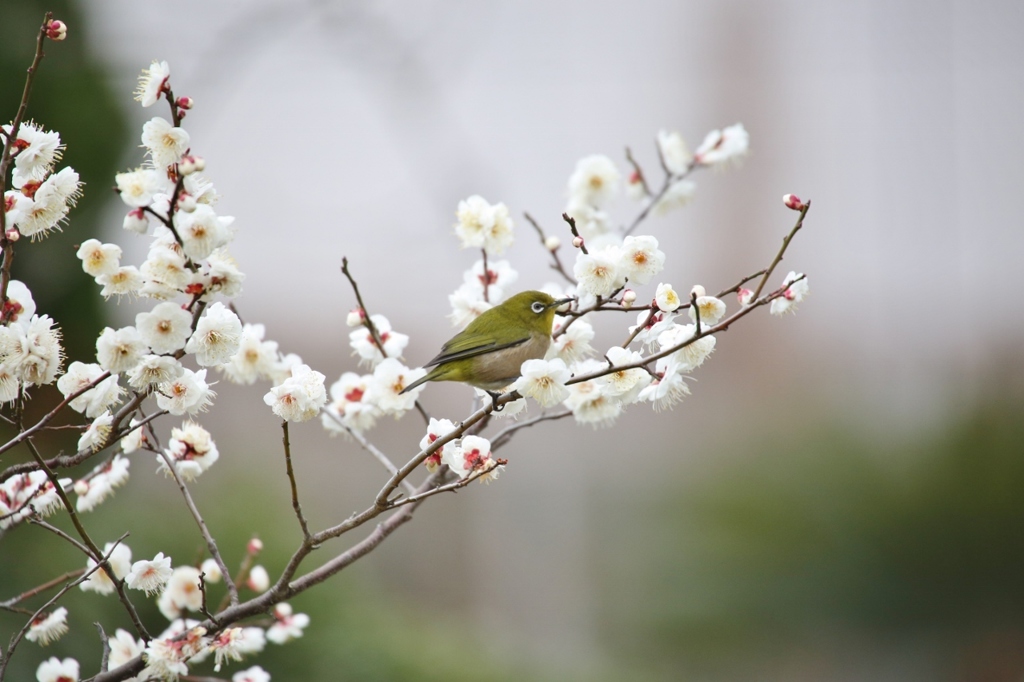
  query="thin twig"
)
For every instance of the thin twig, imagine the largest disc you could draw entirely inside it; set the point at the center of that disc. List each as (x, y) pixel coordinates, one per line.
(41, 588)
(639, 172)
(785, 244)
(371, 448)
(640, 327)
(739, 285)
(557, 264)
(105, 659)
(374, 334)
(291, 478)
(211, 544)
(575, 233)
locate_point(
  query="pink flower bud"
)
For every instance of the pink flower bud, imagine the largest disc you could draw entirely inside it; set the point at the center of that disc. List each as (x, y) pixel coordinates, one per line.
(136, 221)
(13, 235)
(577, 242)
(186, 202)
(255, 546)
(793, 201)
(184, 102)
(191, 164)
(356, 316)
(628, 298)
(744, 296)
(56, 30)
(552, 243)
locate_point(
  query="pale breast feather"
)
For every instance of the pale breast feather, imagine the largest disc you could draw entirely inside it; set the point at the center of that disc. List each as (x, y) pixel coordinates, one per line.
(498, 369)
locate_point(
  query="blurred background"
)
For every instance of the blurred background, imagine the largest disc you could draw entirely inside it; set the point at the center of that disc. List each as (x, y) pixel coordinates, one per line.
(839, 499)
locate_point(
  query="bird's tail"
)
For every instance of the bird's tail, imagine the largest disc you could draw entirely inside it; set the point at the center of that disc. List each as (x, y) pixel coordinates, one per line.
(429, 376)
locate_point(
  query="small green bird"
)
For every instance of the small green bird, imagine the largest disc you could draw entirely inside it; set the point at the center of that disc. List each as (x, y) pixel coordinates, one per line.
(489, 352)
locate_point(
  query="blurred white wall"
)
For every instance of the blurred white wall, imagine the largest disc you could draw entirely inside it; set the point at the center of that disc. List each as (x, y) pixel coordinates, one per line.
(354, 128)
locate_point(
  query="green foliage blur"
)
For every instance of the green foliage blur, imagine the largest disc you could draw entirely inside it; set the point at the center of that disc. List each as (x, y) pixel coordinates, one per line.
(832, 556)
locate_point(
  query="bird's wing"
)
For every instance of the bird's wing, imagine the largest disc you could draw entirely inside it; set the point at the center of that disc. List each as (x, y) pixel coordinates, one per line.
(470, 345)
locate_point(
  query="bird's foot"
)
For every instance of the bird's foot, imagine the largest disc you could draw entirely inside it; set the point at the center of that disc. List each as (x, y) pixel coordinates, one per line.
(494, 401)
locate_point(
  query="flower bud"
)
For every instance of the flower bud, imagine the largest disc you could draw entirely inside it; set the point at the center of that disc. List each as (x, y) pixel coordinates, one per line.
(56, 30)
(744, 296)
(212, 571)
(81, 487)
(628, 298)
(356, 316)
(552, 243)
(259, 580)
(192, 164)
(136, 221)
(793, 201)
(186, 202)
(254, 547)
(577, 242)
(12, 234)
(184, 102)
(698, 291)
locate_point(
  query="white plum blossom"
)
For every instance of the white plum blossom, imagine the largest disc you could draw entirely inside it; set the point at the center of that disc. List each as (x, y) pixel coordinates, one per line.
(350, 407)
(96, 488)
(484, 226)
(96, 433)
(123, 648)
(181, 592)
(51, 203)
(654, 325)
(202, 231)
(473, 455)
(225, 647)
(120, 562)
(165, 143)
(191, 450)
(99, 258)
(666, 298)
(125, 281)
(721, 146)
(544, 381)
(150, 575)
(253, 674)
(711, 309)
(674, 152)
(625, 384)
(390, 378)
(679, 194)
(640, 258)
(252, 641)
(288, 625)
(217, 336)
(574, 344)
(187, 393)
(669, 388)
(164, 271)
(589, 400)
(438, 428)
(212, 571)
(138, 187)
(591, 222)
(38, 150)
(366, 348)
(258, 579)
(796, 291)
(299, 397)
(691, 356)
(30, 351)
(55, 670)
(219, 274)
(599, 273)
(20, 306)
(120, 350)
(48, 627)
(254, 359)
(595, 180)
(467, 304)
(151, 83)
(97, 399)
(154, 369)
(497, 279)
(166, 656)
(35, 488)
(136, 438)
(165, 328)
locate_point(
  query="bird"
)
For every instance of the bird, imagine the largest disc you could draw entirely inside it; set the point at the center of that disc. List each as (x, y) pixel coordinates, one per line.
(490, 350)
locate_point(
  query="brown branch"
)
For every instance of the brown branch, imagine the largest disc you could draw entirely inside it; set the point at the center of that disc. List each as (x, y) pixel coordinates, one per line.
(785, 244)
(557, 264)
(211, 544)
(291, 478)
(371, 448)
(367, 322)
(575, 233)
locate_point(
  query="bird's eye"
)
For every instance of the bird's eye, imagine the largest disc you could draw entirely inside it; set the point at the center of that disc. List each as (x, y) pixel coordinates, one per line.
(538, 307)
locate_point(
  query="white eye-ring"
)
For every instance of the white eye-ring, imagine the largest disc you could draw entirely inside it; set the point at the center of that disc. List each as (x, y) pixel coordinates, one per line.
(538, 307)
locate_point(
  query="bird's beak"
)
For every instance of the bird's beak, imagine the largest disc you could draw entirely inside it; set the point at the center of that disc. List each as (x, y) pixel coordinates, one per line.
(559, 303)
